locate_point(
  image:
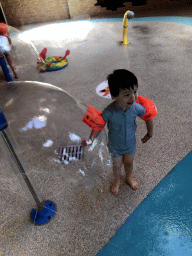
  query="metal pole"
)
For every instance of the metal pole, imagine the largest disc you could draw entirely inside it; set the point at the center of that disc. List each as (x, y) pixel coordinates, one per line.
(3, 13)
(22, 171)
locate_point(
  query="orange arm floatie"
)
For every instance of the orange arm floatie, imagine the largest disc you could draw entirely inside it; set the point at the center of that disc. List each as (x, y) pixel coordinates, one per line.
(151, 110)
(3, 29)
(94, 119)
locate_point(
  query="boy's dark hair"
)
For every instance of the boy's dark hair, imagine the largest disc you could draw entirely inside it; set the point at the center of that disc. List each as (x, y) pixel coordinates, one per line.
(121, 79)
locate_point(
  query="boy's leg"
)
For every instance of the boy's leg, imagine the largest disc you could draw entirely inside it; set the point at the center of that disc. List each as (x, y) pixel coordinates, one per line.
(117, 164)
(128, 165)
(7, 56)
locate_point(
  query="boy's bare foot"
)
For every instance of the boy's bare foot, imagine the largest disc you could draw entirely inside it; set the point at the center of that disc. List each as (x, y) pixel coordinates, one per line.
(115, 187)
(132, 183)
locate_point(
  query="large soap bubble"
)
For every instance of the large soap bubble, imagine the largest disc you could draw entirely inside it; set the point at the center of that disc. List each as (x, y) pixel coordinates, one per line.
(24, 58)
(41, 118)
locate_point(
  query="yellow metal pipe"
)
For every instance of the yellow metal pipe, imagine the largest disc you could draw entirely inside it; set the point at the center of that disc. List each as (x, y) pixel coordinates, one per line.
(125, 26)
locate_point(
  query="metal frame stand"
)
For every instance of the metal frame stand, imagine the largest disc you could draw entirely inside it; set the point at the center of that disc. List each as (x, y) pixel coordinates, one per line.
(45, 210)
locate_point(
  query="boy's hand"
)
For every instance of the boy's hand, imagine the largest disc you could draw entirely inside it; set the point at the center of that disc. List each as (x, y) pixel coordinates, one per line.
(86, 142)
(145, 138)
(13, 47)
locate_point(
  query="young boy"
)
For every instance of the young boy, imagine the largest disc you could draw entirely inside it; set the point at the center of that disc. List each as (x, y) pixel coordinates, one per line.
(120, 116)
(5, 46)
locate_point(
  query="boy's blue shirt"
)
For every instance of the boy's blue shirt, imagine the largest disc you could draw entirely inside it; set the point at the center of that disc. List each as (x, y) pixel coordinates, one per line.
(121, 125)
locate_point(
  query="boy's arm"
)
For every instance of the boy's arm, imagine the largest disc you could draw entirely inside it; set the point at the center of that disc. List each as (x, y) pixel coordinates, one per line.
(94, 133)
(9, 39)
(10, 42)
(149, 125)
(92, 136)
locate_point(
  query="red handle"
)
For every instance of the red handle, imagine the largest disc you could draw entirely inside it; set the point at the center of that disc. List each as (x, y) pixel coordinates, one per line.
(67, 53)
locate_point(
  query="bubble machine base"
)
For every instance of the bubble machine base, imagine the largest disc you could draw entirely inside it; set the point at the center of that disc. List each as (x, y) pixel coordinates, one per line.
(45, 215)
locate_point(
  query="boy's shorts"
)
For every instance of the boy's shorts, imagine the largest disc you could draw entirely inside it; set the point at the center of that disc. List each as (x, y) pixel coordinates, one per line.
(117, 153)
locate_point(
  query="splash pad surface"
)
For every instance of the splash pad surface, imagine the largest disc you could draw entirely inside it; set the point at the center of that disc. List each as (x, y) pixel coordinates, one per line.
(88, 211)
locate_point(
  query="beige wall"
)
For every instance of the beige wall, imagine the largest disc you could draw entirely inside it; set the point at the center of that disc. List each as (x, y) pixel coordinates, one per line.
(20, 12)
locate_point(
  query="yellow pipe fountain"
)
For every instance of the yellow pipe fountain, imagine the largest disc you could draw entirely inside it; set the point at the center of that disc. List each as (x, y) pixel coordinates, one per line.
(128, 15)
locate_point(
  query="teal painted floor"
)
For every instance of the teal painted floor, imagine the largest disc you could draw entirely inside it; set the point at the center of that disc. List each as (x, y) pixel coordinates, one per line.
(179, 19)
(162, 223)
